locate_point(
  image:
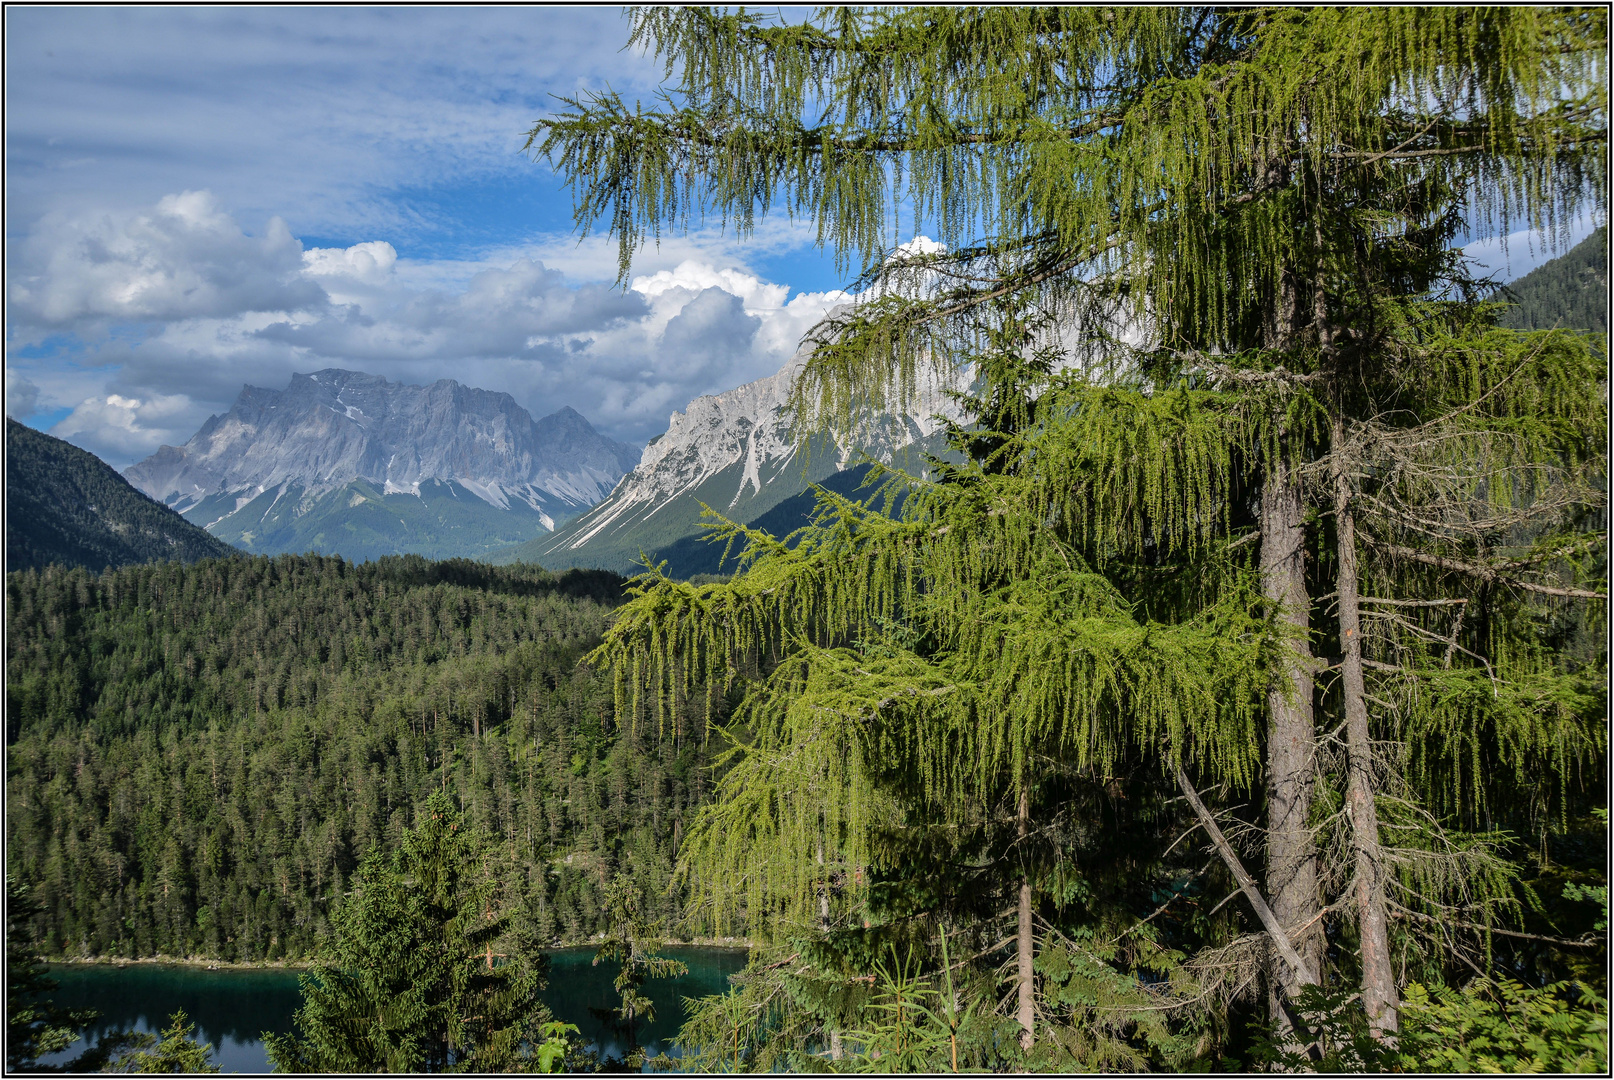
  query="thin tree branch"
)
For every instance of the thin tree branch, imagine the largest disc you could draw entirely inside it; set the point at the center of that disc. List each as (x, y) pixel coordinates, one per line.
(1484, 573)
(1285, 947)
(1582, 943)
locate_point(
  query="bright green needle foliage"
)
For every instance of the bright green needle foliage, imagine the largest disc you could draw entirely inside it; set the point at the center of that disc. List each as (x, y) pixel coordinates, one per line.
(916, 1025)
(1168, 152)
(951, 641)
(1200, 264)
(411, 985)
(904, 672)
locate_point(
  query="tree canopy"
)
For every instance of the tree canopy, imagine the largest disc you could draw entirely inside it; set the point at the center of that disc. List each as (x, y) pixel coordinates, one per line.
(1201, 266)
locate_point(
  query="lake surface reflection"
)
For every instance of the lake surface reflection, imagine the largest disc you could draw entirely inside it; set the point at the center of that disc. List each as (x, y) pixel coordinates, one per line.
(231, 1007)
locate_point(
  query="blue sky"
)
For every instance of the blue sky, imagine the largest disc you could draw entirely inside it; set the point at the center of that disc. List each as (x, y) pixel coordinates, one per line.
(198, 198)
(179, 179)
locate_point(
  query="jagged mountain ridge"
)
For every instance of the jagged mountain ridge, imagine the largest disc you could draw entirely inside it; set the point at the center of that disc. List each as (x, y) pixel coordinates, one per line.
(734, 452)
(65, 505)
(347, 462)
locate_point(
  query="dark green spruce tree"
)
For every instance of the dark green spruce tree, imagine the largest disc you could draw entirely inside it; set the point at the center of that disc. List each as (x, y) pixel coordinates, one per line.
(633, 942)
(411, 983)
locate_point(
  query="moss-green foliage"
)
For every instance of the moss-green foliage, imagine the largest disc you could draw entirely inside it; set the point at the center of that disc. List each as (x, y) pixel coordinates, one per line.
(66, 506)
(1569, 293)
(199, 757)
(1505, 1027)
(1486, 1026)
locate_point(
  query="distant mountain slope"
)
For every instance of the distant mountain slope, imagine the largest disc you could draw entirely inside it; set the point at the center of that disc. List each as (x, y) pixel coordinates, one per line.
(65, 505)
(1571, 291)
(348, 463)
(732, 451)
(696, 554)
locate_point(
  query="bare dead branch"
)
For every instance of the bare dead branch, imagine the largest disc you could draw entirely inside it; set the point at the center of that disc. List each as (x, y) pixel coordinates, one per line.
(1484, 573)
(1285, 947)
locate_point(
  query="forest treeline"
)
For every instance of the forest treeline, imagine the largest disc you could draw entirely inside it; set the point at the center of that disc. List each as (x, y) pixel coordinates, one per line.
(200, 756)
(1570, 291)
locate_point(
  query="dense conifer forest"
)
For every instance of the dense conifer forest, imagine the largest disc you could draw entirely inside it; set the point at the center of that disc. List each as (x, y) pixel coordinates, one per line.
(200, 756)
(1570, 291)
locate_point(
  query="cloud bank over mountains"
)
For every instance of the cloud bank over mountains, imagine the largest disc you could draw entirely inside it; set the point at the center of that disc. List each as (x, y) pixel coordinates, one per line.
(145, 323)
(200, 197)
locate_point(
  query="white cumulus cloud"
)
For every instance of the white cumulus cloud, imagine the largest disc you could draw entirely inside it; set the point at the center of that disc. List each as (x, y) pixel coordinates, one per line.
(184, 257)
(114, 426)
(370, 262)
(783, 319)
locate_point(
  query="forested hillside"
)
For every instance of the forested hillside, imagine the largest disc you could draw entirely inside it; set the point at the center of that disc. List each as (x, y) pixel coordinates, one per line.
(1570, 292)
(199, 756)
(65, 505)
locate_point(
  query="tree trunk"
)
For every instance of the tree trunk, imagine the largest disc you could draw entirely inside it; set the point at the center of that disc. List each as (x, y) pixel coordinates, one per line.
(1291, 730)
(835, 1050)
(1378, 977)
(1291, 878)
(1026, 1013)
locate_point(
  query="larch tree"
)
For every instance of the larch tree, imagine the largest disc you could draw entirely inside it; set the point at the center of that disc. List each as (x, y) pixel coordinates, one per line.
(1246, 217)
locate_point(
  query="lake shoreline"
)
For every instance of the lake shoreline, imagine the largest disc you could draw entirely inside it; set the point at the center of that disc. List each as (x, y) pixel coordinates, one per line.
(233, 1006)
(299, 965)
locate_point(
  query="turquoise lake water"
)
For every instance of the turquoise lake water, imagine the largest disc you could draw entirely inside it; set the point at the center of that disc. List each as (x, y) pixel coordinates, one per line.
(231, 1007)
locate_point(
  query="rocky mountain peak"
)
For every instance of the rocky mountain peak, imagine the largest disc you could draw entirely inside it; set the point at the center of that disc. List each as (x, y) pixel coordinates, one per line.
(333, 427)
(733, 451)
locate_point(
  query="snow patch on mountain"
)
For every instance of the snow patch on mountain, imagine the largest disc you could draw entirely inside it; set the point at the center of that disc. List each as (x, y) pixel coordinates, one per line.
(744, 431)
(331, 428)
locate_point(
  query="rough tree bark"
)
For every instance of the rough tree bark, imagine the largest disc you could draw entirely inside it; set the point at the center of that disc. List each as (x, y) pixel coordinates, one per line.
(1291, 733)
(1379, 996)
(1026, 1013)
